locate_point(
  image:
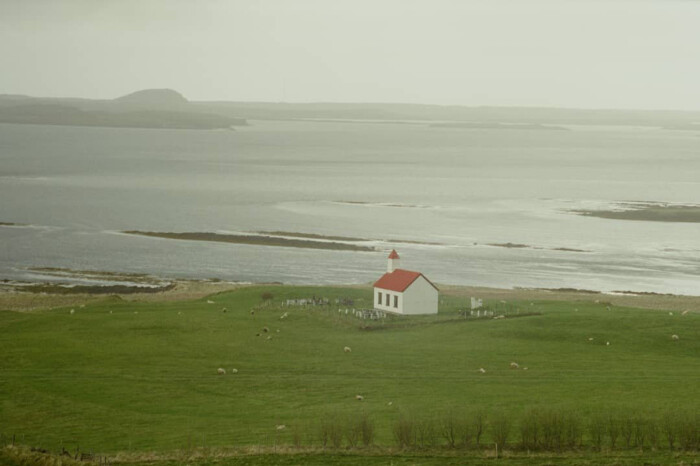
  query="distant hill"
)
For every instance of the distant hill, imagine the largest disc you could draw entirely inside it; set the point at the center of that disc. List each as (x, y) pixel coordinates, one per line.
(154, 97)
(150, 108)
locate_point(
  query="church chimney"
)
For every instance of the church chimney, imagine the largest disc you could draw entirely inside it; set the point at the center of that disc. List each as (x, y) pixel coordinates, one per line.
(393, 263)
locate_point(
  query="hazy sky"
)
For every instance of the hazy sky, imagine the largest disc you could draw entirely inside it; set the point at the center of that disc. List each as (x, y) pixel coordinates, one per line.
(575, 53)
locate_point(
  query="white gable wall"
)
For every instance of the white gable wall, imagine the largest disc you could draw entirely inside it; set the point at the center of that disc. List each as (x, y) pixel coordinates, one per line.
(420, 298)
(388, 307)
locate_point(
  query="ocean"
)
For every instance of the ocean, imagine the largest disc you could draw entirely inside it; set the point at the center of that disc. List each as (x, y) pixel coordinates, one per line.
(480, 207)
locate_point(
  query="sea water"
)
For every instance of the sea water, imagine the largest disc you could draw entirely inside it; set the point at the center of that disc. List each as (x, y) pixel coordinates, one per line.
(468, 192)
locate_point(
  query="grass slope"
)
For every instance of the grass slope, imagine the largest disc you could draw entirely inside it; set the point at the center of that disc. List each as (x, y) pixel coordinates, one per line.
(119, 375)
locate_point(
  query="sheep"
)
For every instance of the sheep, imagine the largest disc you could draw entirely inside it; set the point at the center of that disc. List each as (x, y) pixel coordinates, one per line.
(670, 313)
(684, 312)
(221, 371)
(347, 349)
(280, 427)
(82, 306)
(283, 316)
(607, 343)
(110, 312)
(210, 301)
(675, 337)
(514, 365)
(224, 310)
(524, 368)
(269, 337)
(390, 403)
(72, 311)
(234, 371)
(482, 370)
(278, 330)
(590, 339)
(359, 397)
(178, 313)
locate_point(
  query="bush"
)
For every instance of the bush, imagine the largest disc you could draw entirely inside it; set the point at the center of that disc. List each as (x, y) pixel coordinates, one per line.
(426, 432)
(366, 427)
(613, 430)
(479, 420)
(404, 431)
(669, 429)
(596, 430)
(530, 429)
(688, 436)
(501, 429)
(331, 432)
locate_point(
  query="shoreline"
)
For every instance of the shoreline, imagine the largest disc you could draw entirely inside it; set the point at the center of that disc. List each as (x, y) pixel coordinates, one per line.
(36, 296)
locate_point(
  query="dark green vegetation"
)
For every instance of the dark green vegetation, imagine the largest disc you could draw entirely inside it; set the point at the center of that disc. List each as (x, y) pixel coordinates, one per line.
(257, 239)
(126, 376)
(649, 212)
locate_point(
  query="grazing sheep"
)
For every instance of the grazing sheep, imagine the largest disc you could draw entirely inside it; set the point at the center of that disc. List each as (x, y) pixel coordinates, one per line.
(278, 330)
(269, 337)
(283, 316)
(72, 311)
(524, 368)
(234, 371)
(280, 427)
(590, 339)
(210, 302)
(607, 307)
(265, 329)
(607, 343)
(221, 371)
(675, 337)
(347, 349)
(110, 312)
(359, 397)
(684, 312)
(670, 313)
(482, 370)
(514, 365)
(390, 403)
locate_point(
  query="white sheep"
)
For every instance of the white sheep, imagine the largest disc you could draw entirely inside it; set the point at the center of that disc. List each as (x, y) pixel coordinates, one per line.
(359, 397)
(482, 370)
(590, 339)
(269, 337)
(390, 403)
(221, 371)
(280, 427)
(283, 316)
(347, 349)
(210, 302)
(514, 365)
(234, 371)
(675, 337)
(684, 312)
(72, 311)
(670, 313)
(524, 368)
(607, 343)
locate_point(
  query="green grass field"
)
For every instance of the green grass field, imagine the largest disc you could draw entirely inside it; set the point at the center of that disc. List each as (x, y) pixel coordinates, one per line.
(124, 376)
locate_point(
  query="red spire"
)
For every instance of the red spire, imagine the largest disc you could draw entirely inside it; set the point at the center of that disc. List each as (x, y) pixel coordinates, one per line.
(394, 254)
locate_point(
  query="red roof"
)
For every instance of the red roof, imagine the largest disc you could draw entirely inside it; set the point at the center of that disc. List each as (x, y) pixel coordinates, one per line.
(394, 254)
(399, 280)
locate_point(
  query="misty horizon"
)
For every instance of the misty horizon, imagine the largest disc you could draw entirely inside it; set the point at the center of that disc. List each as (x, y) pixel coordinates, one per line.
(541, 53)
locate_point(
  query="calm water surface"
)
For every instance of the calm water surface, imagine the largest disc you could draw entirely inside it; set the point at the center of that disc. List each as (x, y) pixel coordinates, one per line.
(76, 188)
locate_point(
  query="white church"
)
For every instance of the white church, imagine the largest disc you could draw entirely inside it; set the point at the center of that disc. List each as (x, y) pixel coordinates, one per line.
(404, 291)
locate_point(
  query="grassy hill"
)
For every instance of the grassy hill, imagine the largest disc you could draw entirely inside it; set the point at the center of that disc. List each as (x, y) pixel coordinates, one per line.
(125, 376)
